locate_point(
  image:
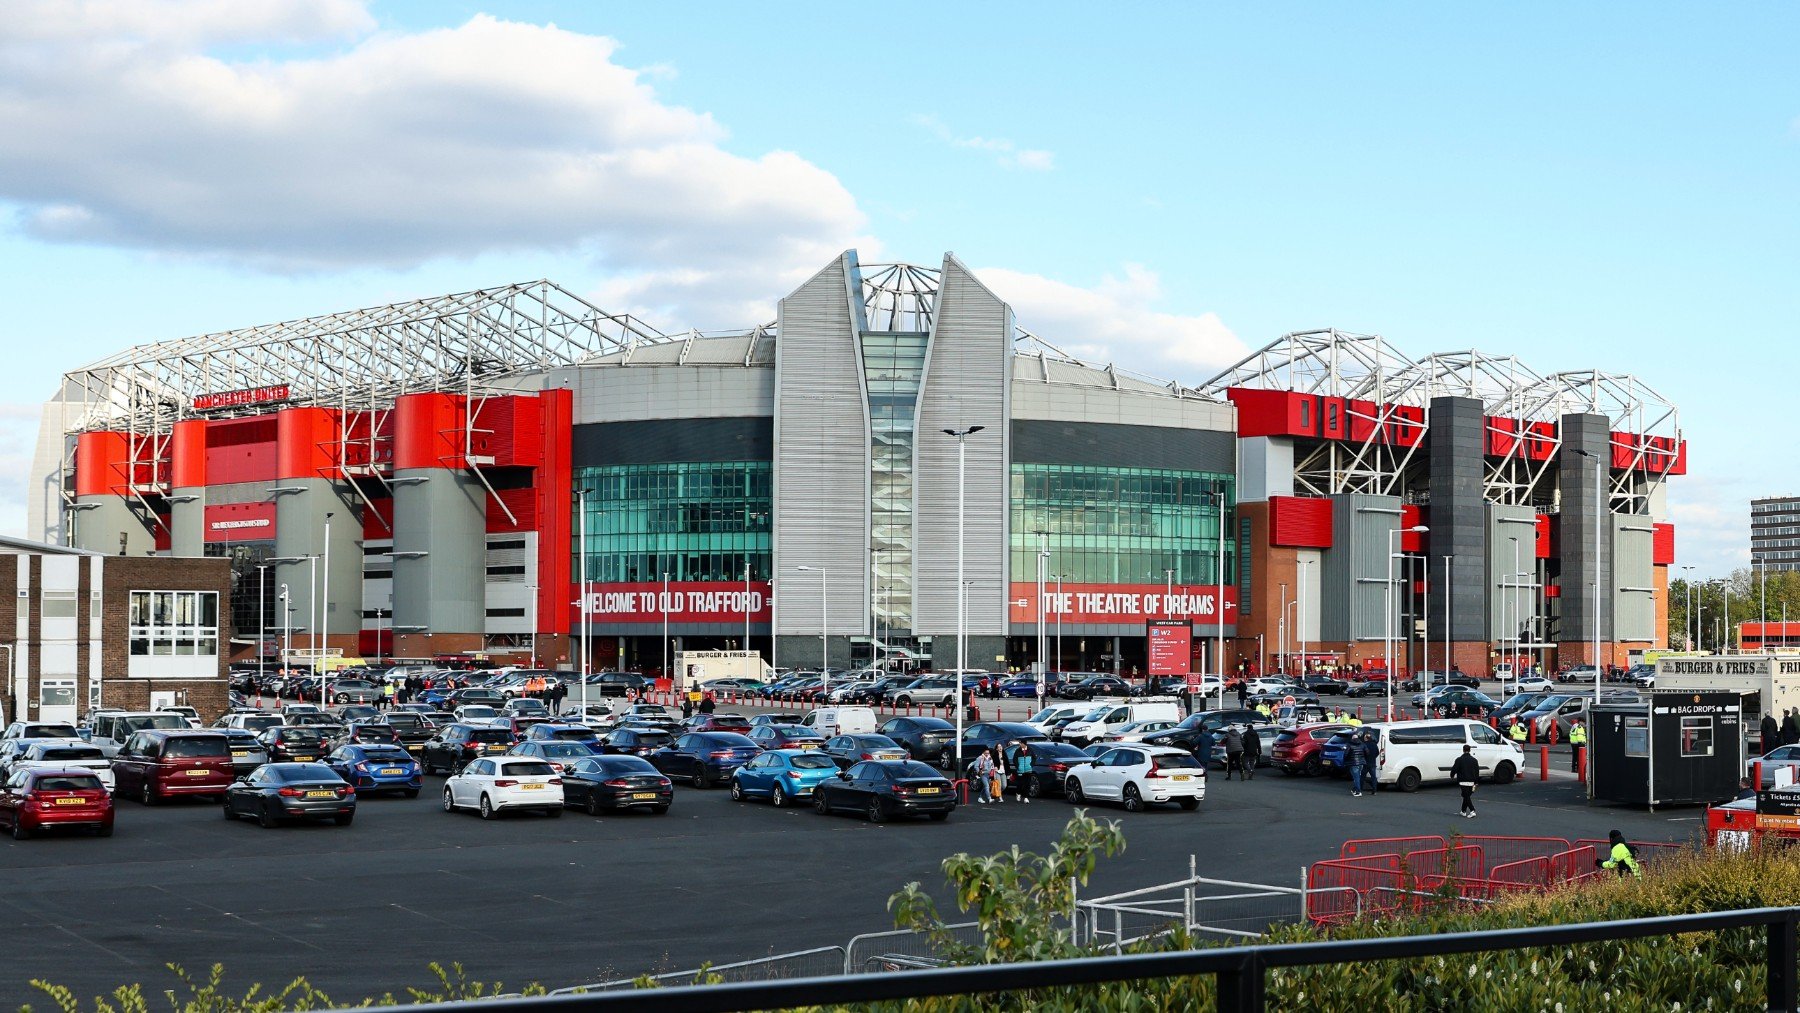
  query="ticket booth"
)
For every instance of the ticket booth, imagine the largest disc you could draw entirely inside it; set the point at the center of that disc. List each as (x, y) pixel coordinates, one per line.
(1680, 748)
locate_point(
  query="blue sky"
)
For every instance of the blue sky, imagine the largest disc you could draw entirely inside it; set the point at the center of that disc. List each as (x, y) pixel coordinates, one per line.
(1611, 186)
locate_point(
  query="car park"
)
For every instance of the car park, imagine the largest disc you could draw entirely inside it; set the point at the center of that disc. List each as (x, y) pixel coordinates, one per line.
(1301, 750)
(376, 767)
(705, 758)
(782, 775)
(492, 785)
(1420, 752)
(785, 737)
(848, 750)
(35, 800)
(923, 737)
(639, 740)
(1140, 775)
(294, 744)
(457, 743)
(61, 754)
(882, 789)
(615, 783)
(157, 765)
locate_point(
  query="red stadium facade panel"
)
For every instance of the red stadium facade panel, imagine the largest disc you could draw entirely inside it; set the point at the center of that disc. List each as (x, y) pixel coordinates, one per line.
(1298, 522)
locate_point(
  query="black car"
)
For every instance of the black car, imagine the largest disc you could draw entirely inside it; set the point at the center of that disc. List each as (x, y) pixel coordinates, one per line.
(1463, 703)
(618, 683)
(616, 782)
(1276, 699)
(411, 727)
(1164, 685)
(294, 744)
(849, 750)
(1186, 735)
(1519, 703)
(247, 751)
(990, 735)
(1051, 763)
(456, 744)
(706, 758)
(640, 741)
(880, 789)
(291, 791)
(1093, 686)
(1321, 683)
(923, 738)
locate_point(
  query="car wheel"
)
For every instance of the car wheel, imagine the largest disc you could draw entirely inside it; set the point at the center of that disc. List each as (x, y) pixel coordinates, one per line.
(660, 809)
(820, 806)
(106, 830)
(1504, 772)
(343, 819)
(265, 819)
(1189, 804)
(411, 793)
(148, 794)
(226, 809)
(938, 817)
(1312, 766)
(19, 832)
(1134, 802)
(737, 790)
(1072, 789)
(592, 808)
(778, 798)
(1409, 779)
(903, 701)
(703, 779)
(488, 811)
(553, 813)
(877, 813)
(449, 801)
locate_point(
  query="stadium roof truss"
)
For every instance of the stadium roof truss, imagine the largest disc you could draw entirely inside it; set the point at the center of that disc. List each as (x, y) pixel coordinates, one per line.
(1366, 368)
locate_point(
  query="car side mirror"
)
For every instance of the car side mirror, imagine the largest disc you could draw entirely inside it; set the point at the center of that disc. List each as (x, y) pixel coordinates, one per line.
(245, 779)
(843, 775)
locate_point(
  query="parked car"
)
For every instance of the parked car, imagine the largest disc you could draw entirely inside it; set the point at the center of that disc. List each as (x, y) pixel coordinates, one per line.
(923, 737)
(881, 789)
(35, 800)
(525, 706)
(1138, 731)
(1301, 750)
(412, 728)
(1051, 765)
(279, 792)
(62, 754)
(618, 683)
(640, 741)
(1049, 717)
(650, 714)
(1417, 752)
(247, 751)
(1139, 775)
(369, 732)
(157, 765)
(1641, 676)
(830, 721)
(561, 755)
(1533, 683)
(929, 690)
(719, 723)
(1518, 703)
(1780, 756)
(597, 783)
(294, 744)
(1457, 701)
(705, 758)
(353, 691)
(493, 785)
(376, 767)
(785, 737)
(456, 744)
(1321, 683)
(782, 775)
(848, 750)
(1106, 718)
(1578, 673)
(558, 731)
(1186, 735)
(1097, 685)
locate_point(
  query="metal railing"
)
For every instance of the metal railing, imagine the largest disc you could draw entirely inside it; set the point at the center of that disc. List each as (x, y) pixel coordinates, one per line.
(1202, 906)
(812, 963)
(1240, 971)
(902, 949)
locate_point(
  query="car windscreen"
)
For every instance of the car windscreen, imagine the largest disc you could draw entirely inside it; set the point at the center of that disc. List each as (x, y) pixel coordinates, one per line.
(196, 745)
(68, 782)
(909, 769)
(1055, 750)
(409, 719)
(566, 750)
(302, 737)
(1167, 760)
(303, 772)
(490, 735)
(526, 768)
(386, 753)
(480, 712)
(574, 734)
(811, 761)
(58, 731)
(646, 738)
(71, 753)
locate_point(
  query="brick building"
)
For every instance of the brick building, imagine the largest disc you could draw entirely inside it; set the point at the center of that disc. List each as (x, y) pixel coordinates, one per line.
(85, 630)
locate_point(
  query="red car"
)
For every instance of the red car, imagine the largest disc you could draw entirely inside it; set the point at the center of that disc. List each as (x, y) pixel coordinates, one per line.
(157, 764)
(37, 800)
(1297, 750)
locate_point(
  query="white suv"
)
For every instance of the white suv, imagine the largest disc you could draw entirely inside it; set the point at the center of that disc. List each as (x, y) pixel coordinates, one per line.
(494, 784)
(1139, 775)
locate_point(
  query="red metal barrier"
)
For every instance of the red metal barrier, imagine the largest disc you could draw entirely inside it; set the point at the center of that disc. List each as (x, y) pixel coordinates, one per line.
(1525, 873)
(1389, 846)
(1648, 852)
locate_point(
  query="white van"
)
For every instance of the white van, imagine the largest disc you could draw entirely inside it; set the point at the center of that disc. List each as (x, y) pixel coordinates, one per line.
(1109, 715)
(1421, 752)
(830, 721)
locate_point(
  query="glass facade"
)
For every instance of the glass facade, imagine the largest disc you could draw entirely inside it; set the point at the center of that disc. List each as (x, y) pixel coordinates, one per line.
(892, 364)
(251, 592)
(701, 521)
(1120, 525)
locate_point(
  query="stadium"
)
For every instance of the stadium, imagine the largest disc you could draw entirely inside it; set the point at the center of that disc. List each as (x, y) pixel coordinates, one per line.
(516, 474)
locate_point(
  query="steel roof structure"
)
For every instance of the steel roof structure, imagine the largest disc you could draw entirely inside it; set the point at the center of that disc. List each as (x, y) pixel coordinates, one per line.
(358, 359)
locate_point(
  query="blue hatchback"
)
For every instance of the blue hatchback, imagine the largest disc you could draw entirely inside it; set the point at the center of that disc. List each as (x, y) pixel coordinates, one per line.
(376, 767)
(782, 775)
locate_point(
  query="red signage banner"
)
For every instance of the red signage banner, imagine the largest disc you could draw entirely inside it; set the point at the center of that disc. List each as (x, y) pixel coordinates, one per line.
(1171, 646)
(240, 522)
(236, 398)
(1124, 603)
(722, 601)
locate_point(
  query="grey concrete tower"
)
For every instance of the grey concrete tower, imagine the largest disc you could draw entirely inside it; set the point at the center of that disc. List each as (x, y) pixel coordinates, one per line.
(1456, 427)
(1584, 562)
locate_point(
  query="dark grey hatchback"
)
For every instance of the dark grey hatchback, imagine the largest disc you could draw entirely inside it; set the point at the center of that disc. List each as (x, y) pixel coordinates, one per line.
(275, 792)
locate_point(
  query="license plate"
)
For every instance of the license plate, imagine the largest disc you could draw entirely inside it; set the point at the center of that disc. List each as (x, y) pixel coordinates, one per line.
(240, 753)
(643, 795)
(302, 759)
(321, 794)
(809, 745)
(1179, 777)
(929, 791)
(70, 801)
(393, 770)
(495, 749)
(198, 773)
(531, 787)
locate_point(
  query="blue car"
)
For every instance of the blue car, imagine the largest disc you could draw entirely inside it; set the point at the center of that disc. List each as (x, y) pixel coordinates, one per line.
(705, 758)
(437, 696)
(782, 775)
(376, 767)
(1026, 687)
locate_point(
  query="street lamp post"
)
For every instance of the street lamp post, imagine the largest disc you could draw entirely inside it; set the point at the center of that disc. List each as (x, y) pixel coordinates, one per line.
(1219, 594)
(824, 632)
(1387, 646)
(665, 637)
(1687, 621)
(262, 617)
(287, 624)
(962, 593)
(581, 586)
(1059, 617)
(530, 624)
(1043, 557)
(1513, 600)
(1281, 651)
(325, 616)
(1299, 619)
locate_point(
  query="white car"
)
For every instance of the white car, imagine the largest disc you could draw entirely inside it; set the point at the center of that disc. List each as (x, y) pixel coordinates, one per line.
(64, 754)
(1140, 775)
(1528, 684)
(191, 715)
(495, 784)
(476, 713)
(1270, 684)
(1056, 712)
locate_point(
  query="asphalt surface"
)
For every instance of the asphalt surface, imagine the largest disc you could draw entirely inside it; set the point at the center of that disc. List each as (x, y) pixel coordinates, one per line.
(363, 910)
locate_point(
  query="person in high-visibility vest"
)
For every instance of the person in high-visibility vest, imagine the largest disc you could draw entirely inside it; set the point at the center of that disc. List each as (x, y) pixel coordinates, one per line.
(1622, 857)
(1518, 731)
(1577, 736)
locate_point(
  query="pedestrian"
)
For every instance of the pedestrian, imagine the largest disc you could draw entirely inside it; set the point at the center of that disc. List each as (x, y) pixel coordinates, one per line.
(1252, 751)
(1243, 693)
(1622, 858)
(1203, 747)
(1353, 756)
(1371, 750)
(687, 707)
(1771, 733)
(1790, 728)
(706, 703)
(1746, 790)
(1517, 730)
(1577, 739)
(1024, 772)
(979, 768)
(1234, 751)
(1464, 771)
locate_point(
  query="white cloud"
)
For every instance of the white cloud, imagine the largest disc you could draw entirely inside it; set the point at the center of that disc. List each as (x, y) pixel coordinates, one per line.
(1006, 153)
(388, 150)
(1711, 514)
(1116, 321)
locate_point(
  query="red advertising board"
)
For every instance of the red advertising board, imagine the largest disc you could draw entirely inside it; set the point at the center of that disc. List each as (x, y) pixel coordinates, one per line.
(690, 602)
(1123, 603)
(1170, 646)
(240, 522)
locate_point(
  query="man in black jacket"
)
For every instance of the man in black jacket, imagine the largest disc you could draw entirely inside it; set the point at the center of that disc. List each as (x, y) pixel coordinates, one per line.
(1790, 729)
(1252, 751)
(1234, 751)
(1771, 733)
(1464, 772)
